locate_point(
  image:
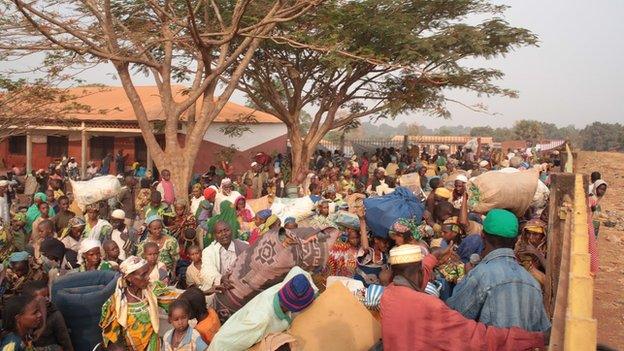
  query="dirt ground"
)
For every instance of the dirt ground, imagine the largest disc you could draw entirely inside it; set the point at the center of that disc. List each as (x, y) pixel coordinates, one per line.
(609, 283)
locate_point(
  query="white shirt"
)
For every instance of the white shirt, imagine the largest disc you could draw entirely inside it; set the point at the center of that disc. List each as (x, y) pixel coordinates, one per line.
(195, 204)
(116, 236)
(4, 211)
(258, 318)
(216, 261)
(71, 243)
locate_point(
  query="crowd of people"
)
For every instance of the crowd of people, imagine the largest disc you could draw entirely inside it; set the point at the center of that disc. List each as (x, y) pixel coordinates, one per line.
(472, 281)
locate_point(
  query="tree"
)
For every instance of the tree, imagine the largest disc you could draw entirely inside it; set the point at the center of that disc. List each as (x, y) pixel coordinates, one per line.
(603, 137)
(482, 131)
(528, 130)
(375, 58)
(24, 104)
(170, 40)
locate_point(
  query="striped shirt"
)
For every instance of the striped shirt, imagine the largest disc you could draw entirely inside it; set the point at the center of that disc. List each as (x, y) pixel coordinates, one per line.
(500, 293)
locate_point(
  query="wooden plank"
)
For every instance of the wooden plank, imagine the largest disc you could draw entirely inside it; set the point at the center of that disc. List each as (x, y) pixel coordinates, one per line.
(561, 197)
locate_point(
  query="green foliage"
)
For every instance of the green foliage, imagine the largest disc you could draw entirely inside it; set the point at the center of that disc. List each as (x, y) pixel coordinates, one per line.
(528, 130)
(236, 128)
(603, 137)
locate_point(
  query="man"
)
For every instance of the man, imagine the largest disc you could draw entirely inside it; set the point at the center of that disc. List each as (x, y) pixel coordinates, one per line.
(126, 198)
(268, 312)
(258, 179)
(219, 257)
(414, 320)
(64, 215)
(106, 161)
(165, 188)
(122, 234)
(120, 162)
(4, 203)
(498, 291)
(55, 186)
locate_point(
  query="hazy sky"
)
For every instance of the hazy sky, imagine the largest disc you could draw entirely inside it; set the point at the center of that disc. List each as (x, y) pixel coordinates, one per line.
(575, 76)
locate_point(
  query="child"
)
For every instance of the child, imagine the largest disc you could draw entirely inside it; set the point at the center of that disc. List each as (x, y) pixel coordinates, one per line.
(181, 337)
(193, 275)
(53, 333)
(111, 254)
(208, 323)
(158, 270)
(20, 238)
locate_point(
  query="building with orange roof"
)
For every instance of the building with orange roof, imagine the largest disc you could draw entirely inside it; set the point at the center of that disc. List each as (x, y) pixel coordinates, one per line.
(108, 124)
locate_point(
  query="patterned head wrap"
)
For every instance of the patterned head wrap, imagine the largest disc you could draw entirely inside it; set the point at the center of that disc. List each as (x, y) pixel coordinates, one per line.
(407, 225)
(19, 217)
(535, 225)
(197, 186)
(209, 194)
(131, 264)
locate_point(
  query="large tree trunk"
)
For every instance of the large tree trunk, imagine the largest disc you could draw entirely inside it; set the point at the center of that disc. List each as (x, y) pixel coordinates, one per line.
(300, 154)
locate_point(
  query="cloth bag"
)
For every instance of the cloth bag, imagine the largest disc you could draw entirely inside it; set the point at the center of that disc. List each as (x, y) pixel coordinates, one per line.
(94, 190)
(383, 211)
(510, 191)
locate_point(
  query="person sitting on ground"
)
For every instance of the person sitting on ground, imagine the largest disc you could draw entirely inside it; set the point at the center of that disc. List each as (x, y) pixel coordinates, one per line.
(124, 236)
(18, 231)
(225, 193)
(90, 257)
(64, 215)
(182, 337)
(21, 316)
(531, 249)
(45, 229)
(290, 223)
(342, 257)
(193, 271)
(322, 219)
(157, 269)
(169, 251)
(219, 257)
(111, 254)
(130, 315)
(404, 304)
(22, 269)
(53, 260)
(53, 333)
(96, 228)
(268, 312)
(208, 322)
(226, 214)
(459, 190)
(72, 237)
(498, 292)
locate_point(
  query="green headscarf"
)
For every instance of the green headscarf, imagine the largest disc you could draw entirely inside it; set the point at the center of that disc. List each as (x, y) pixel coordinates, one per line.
(33, 211)
(227, 215)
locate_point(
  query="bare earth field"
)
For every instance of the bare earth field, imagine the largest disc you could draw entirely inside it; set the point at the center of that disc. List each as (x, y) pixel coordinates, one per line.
(609, 283)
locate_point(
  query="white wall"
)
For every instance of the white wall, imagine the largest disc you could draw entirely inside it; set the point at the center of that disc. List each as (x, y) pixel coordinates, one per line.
(258, 134)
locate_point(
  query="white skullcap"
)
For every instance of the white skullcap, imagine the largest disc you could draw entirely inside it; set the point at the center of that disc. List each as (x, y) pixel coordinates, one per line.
(118, 214)
(462, 178)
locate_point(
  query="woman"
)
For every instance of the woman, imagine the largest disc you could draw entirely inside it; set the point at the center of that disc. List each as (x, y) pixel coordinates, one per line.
(130, 316)
(90, 257)
(225, 193)
(599, 189)
(531, 249)
(21, 316)
(406, 231)
(33, 211)
(228, 215)
(196, 198)
(206, 206)
(371, 260)
(244, 214)
(167, 245)
(96, 228)
(342, 258)
(182, 220)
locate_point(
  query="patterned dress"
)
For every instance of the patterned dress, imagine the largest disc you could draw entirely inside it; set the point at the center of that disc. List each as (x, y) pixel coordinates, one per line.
(139, 335)
(342, 260)
(169, 251)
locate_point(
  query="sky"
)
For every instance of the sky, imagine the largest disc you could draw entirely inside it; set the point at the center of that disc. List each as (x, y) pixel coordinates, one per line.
(575, 76)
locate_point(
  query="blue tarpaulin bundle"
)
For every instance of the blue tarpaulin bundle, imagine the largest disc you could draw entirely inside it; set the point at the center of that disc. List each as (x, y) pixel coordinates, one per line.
(79, 297)
(383, 211)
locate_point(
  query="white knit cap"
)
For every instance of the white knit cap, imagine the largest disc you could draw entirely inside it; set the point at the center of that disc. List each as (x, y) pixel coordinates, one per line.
(118, 214)
(462, 178)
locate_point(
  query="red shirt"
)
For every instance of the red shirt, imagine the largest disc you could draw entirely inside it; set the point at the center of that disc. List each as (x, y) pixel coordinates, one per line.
(412, 320)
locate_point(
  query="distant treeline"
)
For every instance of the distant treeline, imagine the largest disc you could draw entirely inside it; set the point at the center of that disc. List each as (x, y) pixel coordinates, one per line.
(596, 136)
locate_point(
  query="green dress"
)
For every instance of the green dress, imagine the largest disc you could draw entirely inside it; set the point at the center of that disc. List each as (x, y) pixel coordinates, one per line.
(169, 252)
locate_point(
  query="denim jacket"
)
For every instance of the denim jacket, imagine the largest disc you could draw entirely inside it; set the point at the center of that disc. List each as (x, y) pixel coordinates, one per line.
(501, 293)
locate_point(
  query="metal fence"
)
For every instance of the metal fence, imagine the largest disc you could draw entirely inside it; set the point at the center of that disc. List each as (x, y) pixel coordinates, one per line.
(359, 146)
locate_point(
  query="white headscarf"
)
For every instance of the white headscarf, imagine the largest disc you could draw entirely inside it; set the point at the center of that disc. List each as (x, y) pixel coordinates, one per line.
(86, 245)
(127, 267)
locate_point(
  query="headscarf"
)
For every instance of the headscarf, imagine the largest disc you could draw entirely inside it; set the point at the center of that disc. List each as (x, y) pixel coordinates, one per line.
(209, 194)
(19, 217)
(596, 184)
(73, 222)
(197, 186)
(33, 211)
(535, 225)
(245, 213)
(85, 246)
(19, 256)
(127, 267)
(227, 215)
(266, 226)
(264, 214)
(407, 225)
(152, 218)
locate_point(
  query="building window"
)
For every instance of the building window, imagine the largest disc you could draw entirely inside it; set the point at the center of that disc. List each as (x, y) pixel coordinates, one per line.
(58, 146)
(17, 145)
(100, 146)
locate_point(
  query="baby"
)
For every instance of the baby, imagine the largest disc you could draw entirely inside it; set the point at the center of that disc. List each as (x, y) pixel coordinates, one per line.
(181, 337)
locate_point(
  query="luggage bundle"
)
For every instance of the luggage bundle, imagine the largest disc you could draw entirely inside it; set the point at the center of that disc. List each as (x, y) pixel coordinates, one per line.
(511, 191)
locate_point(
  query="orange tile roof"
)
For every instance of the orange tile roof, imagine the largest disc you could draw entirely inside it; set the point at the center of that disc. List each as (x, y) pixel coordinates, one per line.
(112, 104)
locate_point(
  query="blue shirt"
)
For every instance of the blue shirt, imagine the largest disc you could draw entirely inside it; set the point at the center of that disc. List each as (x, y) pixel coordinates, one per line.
(500, 293)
